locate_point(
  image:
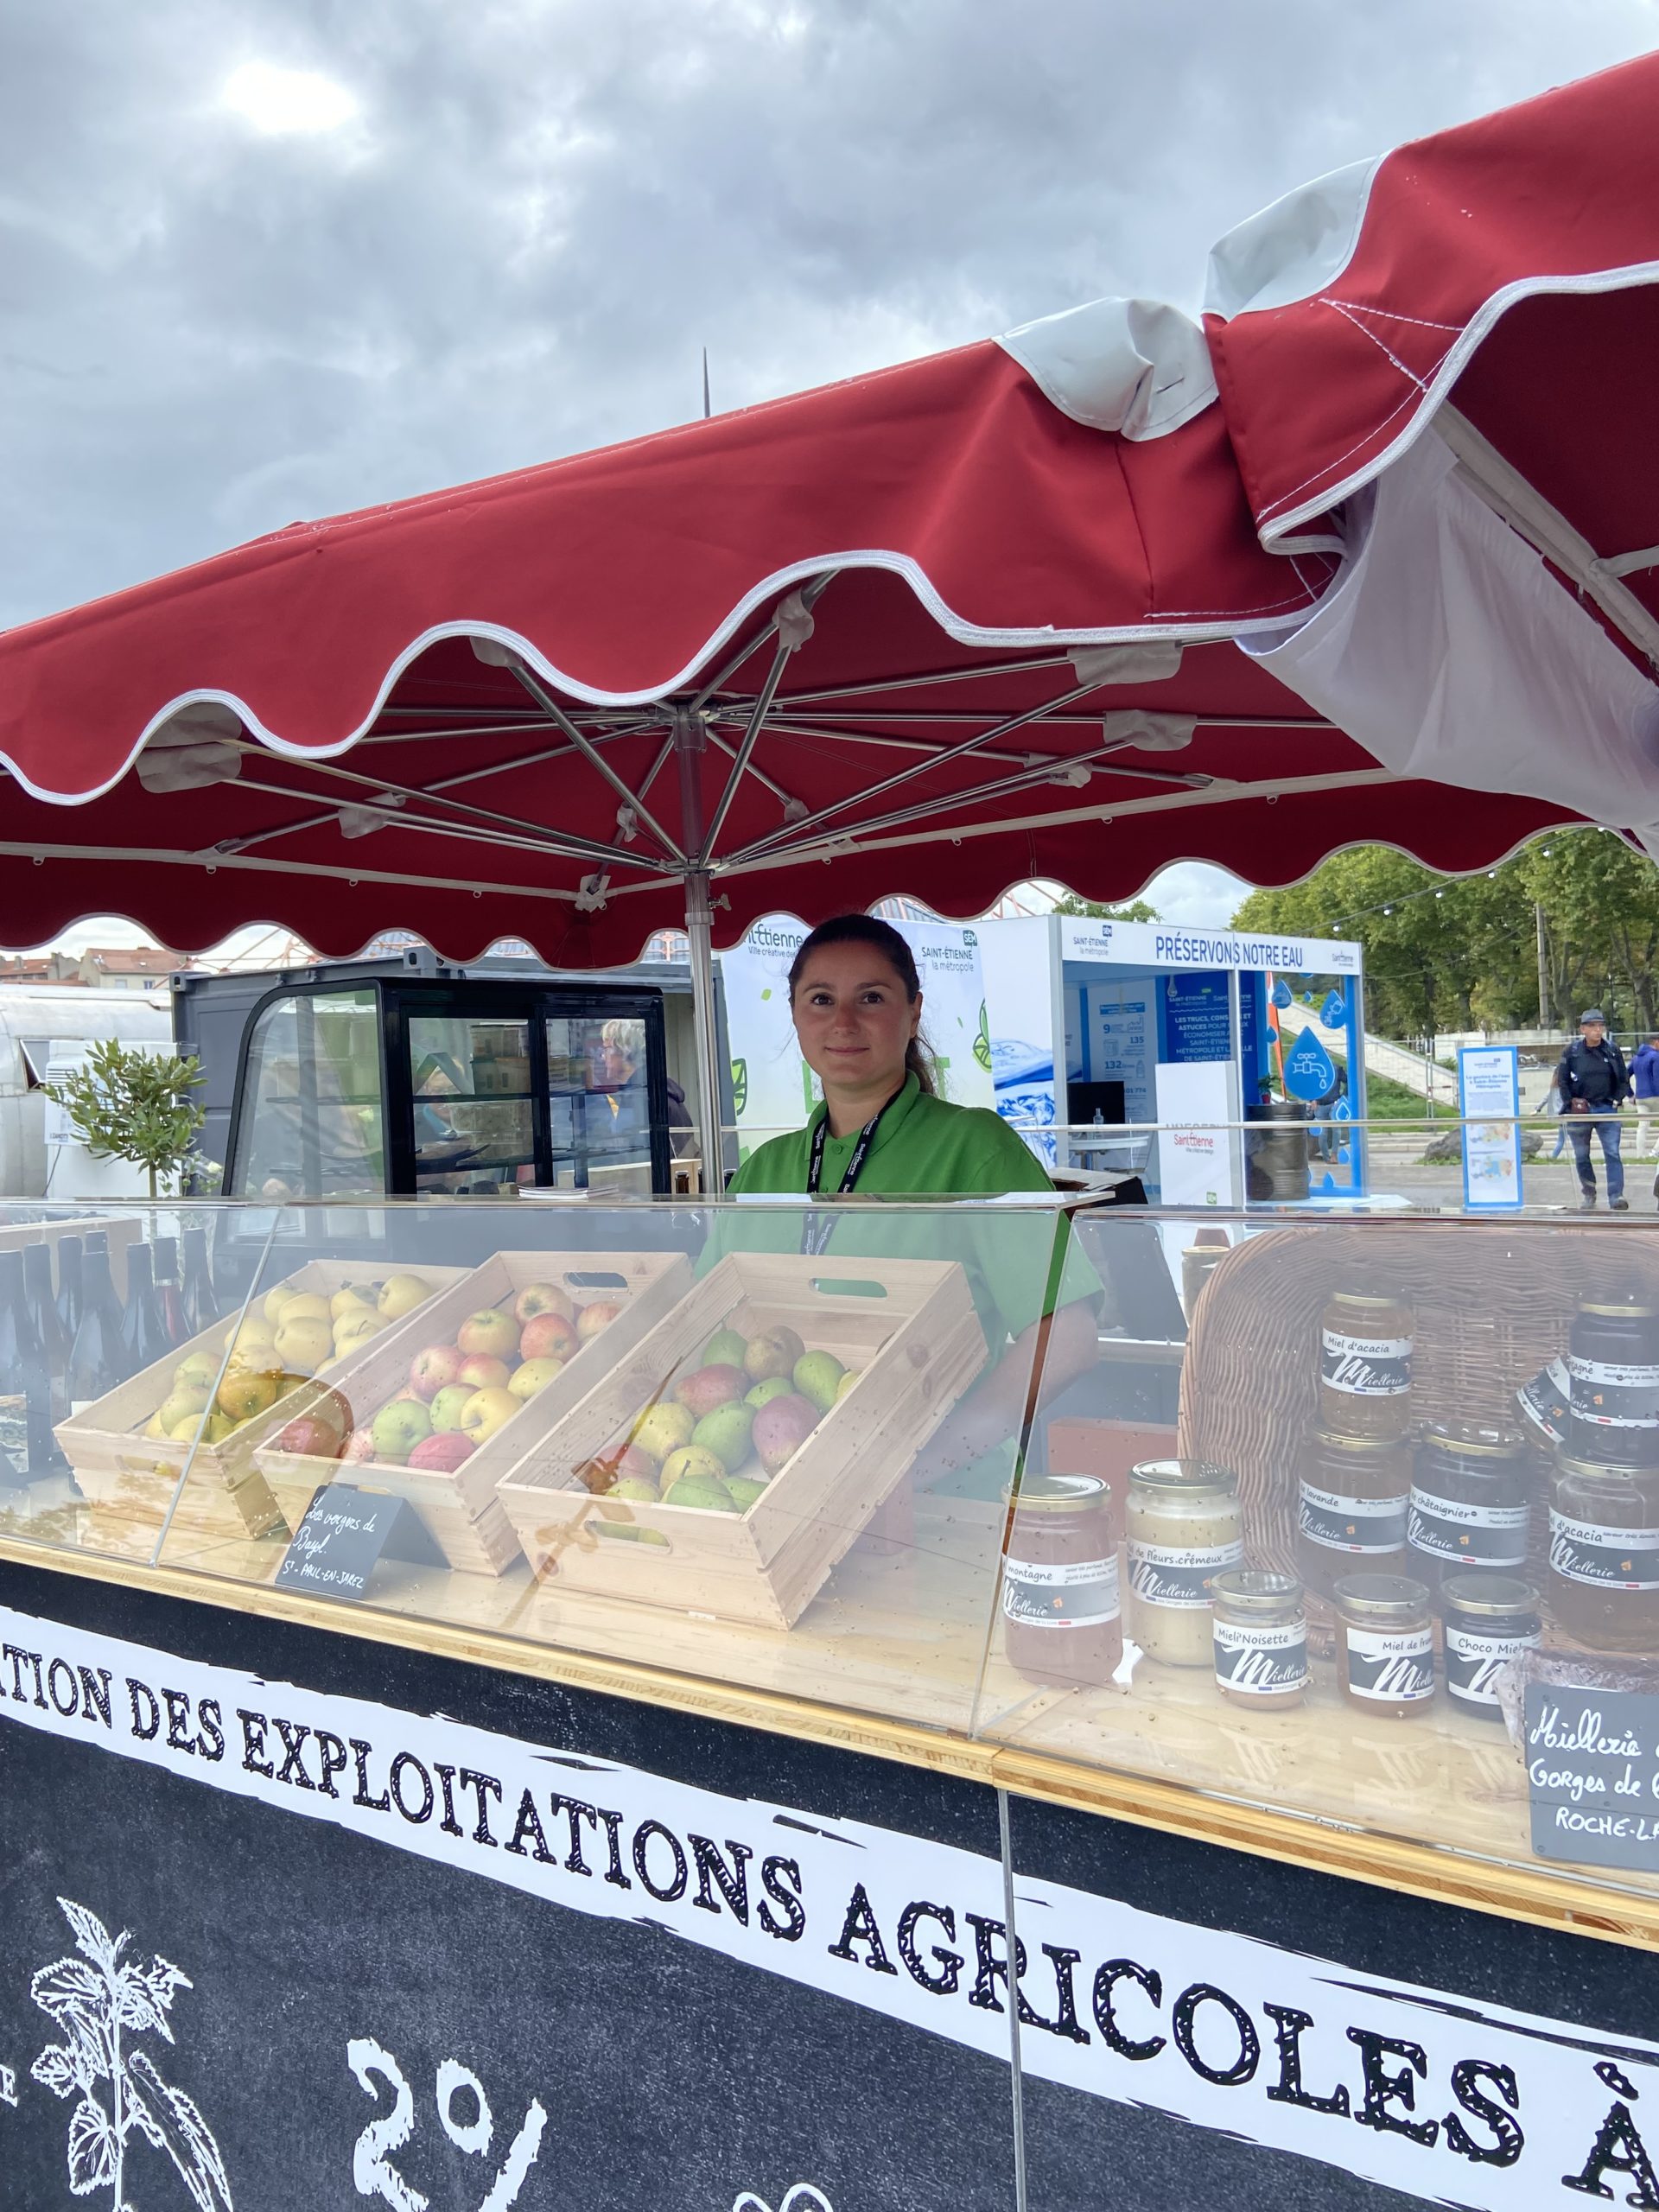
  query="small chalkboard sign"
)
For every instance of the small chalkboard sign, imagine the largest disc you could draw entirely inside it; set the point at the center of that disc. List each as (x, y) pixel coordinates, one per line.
(1593, 1774)
(346, 1532)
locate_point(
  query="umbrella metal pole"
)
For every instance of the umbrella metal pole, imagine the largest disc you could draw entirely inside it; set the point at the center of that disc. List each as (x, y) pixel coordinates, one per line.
(690, 736)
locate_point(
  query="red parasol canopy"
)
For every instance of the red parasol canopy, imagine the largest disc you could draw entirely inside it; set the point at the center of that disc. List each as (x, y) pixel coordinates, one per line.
(1044, 607)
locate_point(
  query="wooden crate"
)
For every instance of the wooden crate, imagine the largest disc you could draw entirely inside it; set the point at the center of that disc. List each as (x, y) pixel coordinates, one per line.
(456, 1507)
(119, 1469)
(917, 1346)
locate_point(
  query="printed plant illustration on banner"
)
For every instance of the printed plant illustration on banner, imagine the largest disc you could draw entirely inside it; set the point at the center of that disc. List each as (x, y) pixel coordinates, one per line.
(103, 2002)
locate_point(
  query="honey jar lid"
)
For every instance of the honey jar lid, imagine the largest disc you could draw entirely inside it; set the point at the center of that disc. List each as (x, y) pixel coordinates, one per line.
(1189, 1477)
(1369, 1294)
(1634, 1305)
(1327, 1442)
(1476, 1439)
(1490, 1595)
(1256, 1590)
(1380, 1600)
(1601, 1471)
(1041, 1493)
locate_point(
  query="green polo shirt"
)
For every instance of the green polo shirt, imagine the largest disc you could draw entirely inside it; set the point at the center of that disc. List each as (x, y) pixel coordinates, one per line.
(1021, 1262)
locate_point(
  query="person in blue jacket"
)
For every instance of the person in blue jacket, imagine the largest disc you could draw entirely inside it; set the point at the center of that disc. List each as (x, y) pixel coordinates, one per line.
(1644, 1079)
(1593, 1085)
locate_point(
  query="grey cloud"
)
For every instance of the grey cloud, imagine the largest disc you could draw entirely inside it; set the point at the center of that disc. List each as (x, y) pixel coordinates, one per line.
(546, 207)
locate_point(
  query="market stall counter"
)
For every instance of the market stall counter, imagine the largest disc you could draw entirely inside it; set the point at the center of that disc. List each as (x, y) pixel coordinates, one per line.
(597, 1725)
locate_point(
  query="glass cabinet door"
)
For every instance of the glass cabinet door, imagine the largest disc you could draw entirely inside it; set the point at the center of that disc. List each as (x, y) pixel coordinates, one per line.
(469, 1081)
(310, 1124)
(599, 1100)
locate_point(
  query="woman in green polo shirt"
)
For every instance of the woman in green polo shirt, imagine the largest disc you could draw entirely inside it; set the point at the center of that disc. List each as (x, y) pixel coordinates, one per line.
(882, 1132)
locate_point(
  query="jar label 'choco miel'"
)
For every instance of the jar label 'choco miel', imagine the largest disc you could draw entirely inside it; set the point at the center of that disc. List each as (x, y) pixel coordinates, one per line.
(1080, 1593)
(1605, 1558)
(1473, 1661)
(1394, 1666)
(1179, 1575)
(1448, 1528)
(1352, 1524)
(1611, 1395)
(1365, 1367)
(1262, 1659)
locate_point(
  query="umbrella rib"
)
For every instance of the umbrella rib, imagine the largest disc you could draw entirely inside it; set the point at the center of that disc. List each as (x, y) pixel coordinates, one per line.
(759, 774)
(833, 691)
(555, 713)
(951, 752)
(160, 857)
(746, 743)
(977, 794)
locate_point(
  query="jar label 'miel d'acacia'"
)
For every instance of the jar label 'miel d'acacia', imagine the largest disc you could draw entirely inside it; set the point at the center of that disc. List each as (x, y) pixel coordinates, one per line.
(1448, 1528)
(1082, 1594)
(1396, 1667)
(1352, 1524)
(1605, 1558)
(1261, 1661)
(1365, 1367)
(1611, 1395)
(1180, 1574)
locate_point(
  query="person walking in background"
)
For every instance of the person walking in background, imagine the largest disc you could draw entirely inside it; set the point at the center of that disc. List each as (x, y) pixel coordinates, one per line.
(1593, 1084)
(1644, 1077)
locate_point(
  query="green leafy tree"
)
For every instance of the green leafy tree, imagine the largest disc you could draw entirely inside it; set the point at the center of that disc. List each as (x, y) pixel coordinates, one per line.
(133, 1105)
(1091, 909)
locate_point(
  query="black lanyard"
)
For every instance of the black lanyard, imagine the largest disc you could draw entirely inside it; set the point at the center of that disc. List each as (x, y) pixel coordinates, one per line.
(817, 1229)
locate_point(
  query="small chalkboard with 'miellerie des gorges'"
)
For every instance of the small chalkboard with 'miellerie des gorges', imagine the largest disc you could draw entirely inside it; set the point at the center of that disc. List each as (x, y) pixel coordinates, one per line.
(346, 1532)
(1592, 1773)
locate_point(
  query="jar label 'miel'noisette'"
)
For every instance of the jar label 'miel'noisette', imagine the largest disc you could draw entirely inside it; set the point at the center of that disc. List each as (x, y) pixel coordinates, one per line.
(1261, 1661)
(1365, 1367)
(1605, 1558)
(1082, 1594)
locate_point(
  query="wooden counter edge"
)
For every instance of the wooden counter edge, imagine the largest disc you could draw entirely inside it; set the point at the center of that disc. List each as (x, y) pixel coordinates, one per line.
(1536, 1895)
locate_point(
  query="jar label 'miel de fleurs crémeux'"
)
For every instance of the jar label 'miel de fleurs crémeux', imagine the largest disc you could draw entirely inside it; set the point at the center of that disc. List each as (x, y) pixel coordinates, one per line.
(1082, 1593)
(1365, 1367)
(1180, 1574)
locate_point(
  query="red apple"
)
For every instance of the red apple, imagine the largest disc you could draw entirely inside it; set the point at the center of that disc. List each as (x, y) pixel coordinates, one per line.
(359, 1447)
(781, 1427)
(432, 1369)
(542, 1297)
(547, 1336)
(316, 1439)
(488, 1332)
(334, 1408)
(708, 1387)
(481, 1372)
(443, 1453)
(593, 1319)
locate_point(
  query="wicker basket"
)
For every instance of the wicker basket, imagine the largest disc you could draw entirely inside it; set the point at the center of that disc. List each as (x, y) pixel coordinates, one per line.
(1494, 1302)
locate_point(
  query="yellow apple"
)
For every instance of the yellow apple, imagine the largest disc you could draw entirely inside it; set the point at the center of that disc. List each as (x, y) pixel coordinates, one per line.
(199, 1371)
(307, 1307)
(244, 1392)
(535, 1375)
(274, 1300)
(401, 1294)
(357, 1327)
(180, 1401)
(254, 1348)
(304, 1344)
(354, 1293)
(486, 1411)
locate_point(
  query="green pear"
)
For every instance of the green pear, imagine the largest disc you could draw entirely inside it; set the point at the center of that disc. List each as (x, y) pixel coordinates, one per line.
(723, 1349)
(712, 1497)
(726, 1433)
(817, 1377)
(775, 1386)
(743, 1492)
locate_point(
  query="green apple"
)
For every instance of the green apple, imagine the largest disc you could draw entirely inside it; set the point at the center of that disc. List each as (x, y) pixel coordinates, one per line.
(399, 1427)
(817, 1377)
(693, 1464)
(711, 1497)
(726, 1433)
(775, 1386)
(724, 1349)
(535, 1375)
(447, 1407)
(846, 1383)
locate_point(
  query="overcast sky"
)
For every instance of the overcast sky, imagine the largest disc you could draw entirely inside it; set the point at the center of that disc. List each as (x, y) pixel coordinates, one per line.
(478, 233)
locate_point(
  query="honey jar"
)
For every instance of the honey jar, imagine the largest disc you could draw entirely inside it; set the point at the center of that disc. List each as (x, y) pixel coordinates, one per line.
(1365, 1347)
(1385, 1644)
(1354, 1493)
(1061, 1613)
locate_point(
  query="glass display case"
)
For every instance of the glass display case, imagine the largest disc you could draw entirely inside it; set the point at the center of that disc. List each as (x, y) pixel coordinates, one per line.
(1333, 1522)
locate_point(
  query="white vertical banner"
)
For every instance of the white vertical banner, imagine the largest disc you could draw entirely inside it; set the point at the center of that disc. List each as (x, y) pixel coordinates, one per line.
(1016, 959)
(1197, 1099)
(1488, 1099)
(773, 1090)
